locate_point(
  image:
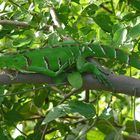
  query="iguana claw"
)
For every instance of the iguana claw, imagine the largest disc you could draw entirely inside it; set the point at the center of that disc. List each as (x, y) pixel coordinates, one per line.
(103, 79)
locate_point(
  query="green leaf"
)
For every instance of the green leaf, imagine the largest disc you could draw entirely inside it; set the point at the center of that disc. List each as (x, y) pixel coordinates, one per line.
(53, 39)
(130, 16)
(104, 127)
(134, 32)
(13, 116)
(20, 138)
(75, 79)
(21, 42)
(135, 4)
(104, 21)
(76, 1)
(6, 30)
(62, 14)
(130, 126)
(91, 9)
(4, 134)
(122, 56)
(24, 39)
(85, 109)
(95, 135)
(54, 113)
(116, 27)
(1, 93)
(85, 30)
(120, 36)
(40, 98)
(27, 109)
(105, 38)
(112, 136)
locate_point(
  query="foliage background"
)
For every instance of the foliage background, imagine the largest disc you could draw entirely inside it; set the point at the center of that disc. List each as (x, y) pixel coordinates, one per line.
(50, 113)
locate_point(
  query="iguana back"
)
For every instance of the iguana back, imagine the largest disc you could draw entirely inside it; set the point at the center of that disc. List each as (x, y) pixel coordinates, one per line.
(47, 60)
(52, 61)
(116, 54)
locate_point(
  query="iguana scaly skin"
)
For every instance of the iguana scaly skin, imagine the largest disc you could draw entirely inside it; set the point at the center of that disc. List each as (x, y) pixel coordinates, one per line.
(53, 61)
(50, 61)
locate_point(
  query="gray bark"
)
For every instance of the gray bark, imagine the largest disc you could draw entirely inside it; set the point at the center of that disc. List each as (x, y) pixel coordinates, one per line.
(120, 84)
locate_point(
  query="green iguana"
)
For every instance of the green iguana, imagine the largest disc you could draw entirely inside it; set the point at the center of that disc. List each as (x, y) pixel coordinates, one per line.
(54, 61)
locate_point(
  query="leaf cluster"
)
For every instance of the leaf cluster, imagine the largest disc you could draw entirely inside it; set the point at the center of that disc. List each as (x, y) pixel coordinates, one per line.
(60, 112)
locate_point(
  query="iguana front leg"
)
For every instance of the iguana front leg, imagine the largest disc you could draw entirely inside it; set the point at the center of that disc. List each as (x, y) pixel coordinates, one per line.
(47, 71)
(84, 66)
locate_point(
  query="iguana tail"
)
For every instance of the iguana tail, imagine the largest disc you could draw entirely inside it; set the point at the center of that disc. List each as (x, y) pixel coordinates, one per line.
(117, 54)
(15, 62)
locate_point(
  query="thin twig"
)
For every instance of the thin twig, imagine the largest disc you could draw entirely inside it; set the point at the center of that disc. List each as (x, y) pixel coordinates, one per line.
(34, 118)
(87, 96)
(83, 120)
(51, 130)
(70, 117)
(105, 8)
(44, 132)
(20, 131)
(85, 132)
(113, 9)
(72, 92)
(57, 90)
(109, 103)
(17, 5)
(29, 90)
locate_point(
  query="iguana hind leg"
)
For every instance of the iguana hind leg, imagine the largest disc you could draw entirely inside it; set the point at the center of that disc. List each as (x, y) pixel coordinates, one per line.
(84, 66)
(89, 67)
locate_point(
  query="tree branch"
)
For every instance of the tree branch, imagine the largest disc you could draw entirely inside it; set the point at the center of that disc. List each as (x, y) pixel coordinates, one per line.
(13, 22)
(120, 84)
